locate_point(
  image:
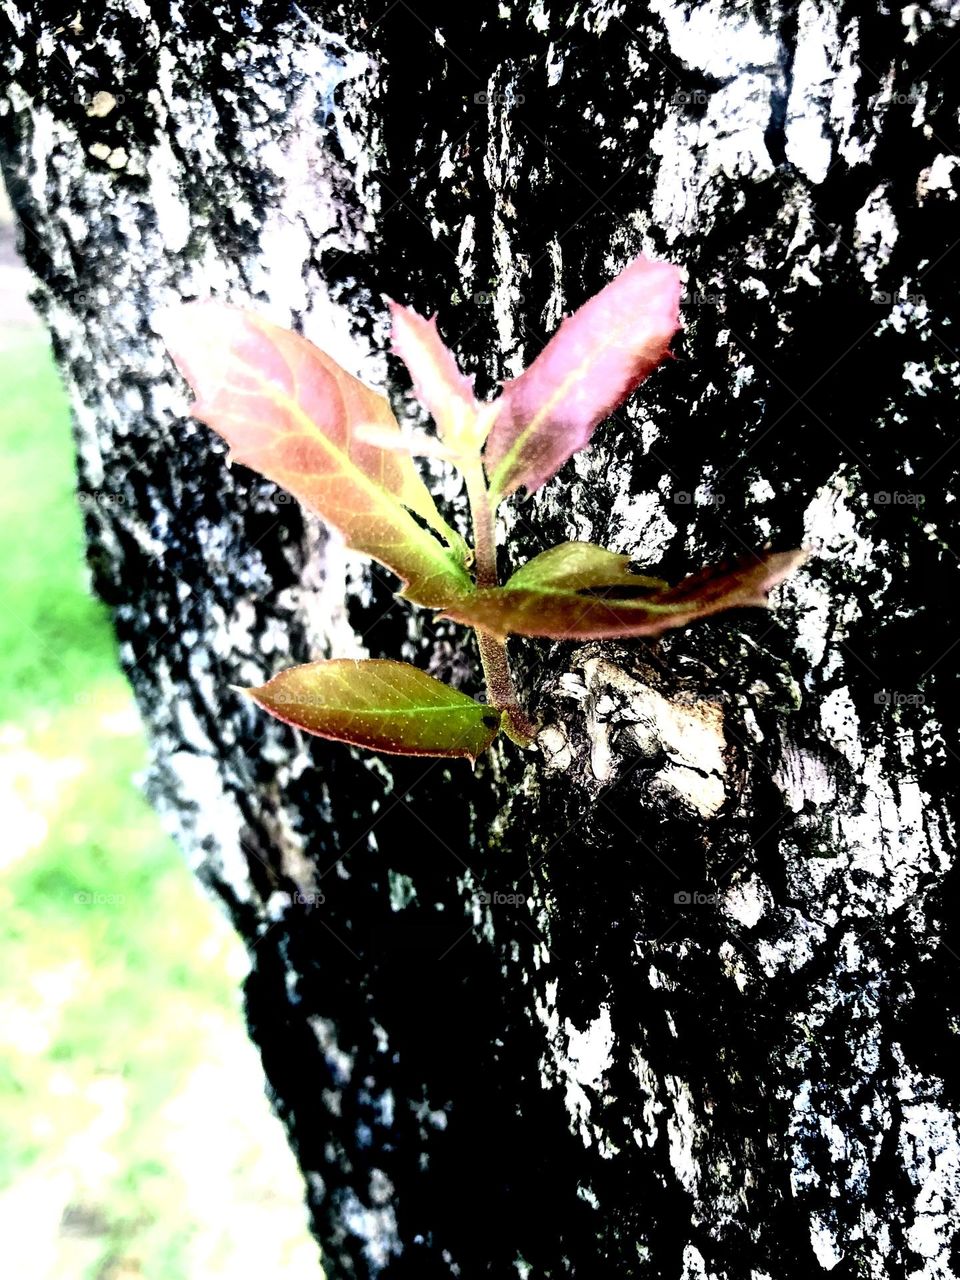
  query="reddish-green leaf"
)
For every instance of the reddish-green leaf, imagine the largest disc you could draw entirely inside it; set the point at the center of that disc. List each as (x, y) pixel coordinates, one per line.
(290, 412)
(445, 392)
(597, 357)
(584, 595)
(384, 705)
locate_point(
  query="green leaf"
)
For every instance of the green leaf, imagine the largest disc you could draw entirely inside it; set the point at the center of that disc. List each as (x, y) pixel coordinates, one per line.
(290, 412)
(578, 591)
(577, 566)
(377, 703)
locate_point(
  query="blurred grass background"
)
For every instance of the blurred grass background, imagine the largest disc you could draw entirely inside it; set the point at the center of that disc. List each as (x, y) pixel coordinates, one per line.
(135, 1138)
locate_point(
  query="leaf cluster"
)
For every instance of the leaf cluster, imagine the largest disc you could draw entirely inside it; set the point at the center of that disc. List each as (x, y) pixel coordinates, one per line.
(290, 412)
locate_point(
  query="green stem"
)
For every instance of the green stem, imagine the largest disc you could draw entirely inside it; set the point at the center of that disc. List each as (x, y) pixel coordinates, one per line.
(493, 652)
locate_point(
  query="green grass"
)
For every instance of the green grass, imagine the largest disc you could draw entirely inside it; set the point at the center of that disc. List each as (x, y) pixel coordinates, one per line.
(55, 638)
(111, 962)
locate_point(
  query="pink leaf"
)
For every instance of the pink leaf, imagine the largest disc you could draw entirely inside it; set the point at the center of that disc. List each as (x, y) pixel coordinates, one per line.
(445, 392)
(292, 413)
(597, 357)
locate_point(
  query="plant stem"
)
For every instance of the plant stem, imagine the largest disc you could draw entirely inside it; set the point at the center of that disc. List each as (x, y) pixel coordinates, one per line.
(493, 652)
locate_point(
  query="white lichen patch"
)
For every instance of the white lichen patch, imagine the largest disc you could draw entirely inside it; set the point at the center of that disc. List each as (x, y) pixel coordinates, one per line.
(823, 1239)
(587, 1057)
(808, 124)
(652, 1105)
(101, 104)
(930, 1149)
(339, 1062)
(555, 747)
(843, 46)
(716, 41)
(694, 1265)
(747, 900)
(727, 135)
(172, 210)
(681, 1132)
(939, 176)
(375, 1227)
(685, 738)
(877, 233)
(402, 891)
(641, 526)
(210, 814)
(832, 537)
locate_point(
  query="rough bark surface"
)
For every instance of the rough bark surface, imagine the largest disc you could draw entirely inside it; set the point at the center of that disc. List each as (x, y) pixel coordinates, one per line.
(499, 1042)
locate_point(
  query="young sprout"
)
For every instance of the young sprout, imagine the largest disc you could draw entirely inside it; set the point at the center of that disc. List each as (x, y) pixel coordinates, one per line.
(289, 411)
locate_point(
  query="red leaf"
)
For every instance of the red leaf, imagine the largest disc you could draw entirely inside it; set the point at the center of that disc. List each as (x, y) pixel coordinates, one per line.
(597, 357)
(290, 412)
(384, 705)
(607, 603)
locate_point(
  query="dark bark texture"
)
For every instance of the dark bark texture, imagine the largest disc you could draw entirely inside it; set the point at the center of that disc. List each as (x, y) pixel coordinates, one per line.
(500, 1042)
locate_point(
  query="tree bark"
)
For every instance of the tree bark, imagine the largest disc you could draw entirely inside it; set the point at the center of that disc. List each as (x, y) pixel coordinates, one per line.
(676, 995)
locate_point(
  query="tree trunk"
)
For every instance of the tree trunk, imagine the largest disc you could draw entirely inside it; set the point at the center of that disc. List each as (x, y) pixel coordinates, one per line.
(676, 995)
